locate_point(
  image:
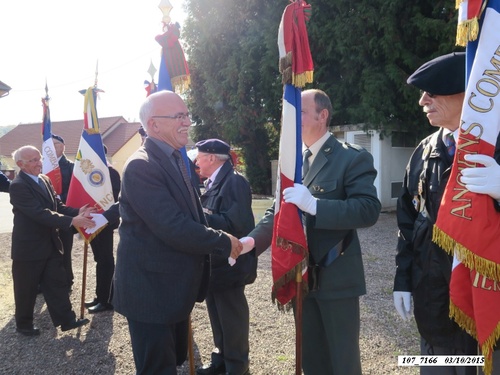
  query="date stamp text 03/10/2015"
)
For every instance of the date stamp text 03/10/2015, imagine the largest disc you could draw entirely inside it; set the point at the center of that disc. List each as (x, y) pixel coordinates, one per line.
(440, 360)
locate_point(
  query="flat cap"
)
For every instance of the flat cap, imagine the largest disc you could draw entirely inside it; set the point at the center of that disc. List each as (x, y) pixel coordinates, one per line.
(444, 75)
(213, 146)
(58, 137)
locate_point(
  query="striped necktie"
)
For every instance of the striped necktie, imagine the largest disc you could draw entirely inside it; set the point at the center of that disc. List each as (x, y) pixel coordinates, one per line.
(187, 181)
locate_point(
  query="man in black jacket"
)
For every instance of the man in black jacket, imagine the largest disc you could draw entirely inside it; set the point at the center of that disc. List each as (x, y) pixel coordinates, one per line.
(4, 183)
(66, 167)
(423, 268)
(102, 248)
(227, 203)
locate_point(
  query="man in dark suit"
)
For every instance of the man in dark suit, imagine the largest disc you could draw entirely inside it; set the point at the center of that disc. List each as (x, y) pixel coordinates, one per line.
(337, 197)
(36, 246)
(4, 183)
(67, 235)
(162, 263)
(102, 248)
(227, 203)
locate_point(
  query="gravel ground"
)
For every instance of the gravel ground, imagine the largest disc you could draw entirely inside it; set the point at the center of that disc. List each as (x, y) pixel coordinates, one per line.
(103, 346)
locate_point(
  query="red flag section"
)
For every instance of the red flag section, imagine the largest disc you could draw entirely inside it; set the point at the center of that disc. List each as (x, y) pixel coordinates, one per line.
(468, 225)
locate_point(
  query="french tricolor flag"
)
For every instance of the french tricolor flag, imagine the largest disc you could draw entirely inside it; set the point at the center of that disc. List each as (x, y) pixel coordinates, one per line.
(90, 183)
(50, 166)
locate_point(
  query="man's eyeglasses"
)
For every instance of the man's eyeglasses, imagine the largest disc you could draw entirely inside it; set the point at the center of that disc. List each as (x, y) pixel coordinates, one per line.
(178, 116)
(34, 160)
(428, 94)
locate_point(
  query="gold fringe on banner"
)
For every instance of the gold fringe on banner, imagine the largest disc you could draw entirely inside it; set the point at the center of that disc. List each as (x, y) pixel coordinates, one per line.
(290, 275)
(468, 324)
(471, 260)
(181, 84)
(467, 31)
(300, 80)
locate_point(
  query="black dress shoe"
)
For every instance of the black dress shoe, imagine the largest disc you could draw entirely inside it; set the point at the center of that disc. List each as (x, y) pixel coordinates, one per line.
(75, 324)
(33, 331)
(247, 372)
(100, 307)
(212, 369)
(91, 303)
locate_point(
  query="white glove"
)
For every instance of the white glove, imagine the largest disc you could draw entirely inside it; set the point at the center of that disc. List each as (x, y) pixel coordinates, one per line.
(300, 196)
(248, 244)
(99, 221)
(482, 180)
(402, 302)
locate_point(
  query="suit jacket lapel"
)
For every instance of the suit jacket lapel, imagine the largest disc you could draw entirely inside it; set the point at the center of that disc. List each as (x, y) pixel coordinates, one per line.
(175, 176)
(45, 195)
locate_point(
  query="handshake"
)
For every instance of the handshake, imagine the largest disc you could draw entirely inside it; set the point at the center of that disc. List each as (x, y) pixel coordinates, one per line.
(239, 247)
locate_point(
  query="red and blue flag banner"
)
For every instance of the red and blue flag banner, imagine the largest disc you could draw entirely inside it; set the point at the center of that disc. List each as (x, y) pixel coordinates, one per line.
(173, 62)
(289, 251)
(173, 74)
(90, 183)
(468, 225)
(50, 164)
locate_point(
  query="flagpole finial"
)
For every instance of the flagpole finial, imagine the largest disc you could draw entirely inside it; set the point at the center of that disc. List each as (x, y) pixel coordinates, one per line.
(152, 71)
(165, 8)
(46, 90)
(96, 73)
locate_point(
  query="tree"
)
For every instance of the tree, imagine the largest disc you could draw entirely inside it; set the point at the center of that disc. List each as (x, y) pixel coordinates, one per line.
(236, 87)
(365, 50)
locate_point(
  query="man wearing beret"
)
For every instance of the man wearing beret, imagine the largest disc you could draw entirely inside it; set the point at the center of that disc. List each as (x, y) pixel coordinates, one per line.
(423, 268)
(66, 167)
(227, 203)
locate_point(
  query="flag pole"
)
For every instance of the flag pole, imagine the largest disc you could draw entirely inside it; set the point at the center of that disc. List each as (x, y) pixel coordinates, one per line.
(298, 321)
(190, 346)
(84, 278)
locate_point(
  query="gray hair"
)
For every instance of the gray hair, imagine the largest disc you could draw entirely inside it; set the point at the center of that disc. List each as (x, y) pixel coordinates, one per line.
(222, 157)
(145, 112)
(17, 155)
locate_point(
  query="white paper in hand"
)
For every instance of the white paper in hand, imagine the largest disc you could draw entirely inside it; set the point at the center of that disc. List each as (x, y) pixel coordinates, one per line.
(99, 221)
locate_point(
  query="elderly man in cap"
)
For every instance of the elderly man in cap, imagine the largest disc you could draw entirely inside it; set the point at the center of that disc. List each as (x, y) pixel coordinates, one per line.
(66, 167)
(227, 203)
(423, 268)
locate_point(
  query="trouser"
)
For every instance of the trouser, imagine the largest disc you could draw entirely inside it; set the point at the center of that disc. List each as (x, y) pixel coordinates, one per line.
(229, 317)
(102, 248)
(426, 349)
(154, 346)
(330, 333)
(67, 236)
(50, 275)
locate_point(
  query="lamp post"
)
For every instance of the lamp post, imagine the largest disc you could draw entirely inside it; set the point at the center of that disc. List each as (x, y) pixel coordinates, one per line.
(4, 89)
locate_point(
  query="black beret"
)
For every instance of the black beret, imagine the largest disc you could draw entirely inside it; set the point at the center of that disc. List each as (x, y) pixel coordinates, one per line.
(444, 75)
(58, 137)
(213, 146)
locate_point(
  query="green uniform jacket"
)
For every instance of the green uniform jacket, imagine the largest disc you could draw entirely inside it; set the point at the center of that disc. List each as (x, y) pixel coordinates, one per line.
(341, 177)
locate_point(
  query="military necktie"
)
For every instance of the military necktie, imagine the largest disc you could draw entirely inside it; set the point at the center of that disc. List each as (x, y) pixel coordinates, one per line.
(305, 162)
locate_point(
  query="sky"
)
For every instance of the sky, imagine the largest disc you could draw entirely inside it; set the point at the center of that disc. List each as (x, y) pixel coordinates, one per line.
(61, 42)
